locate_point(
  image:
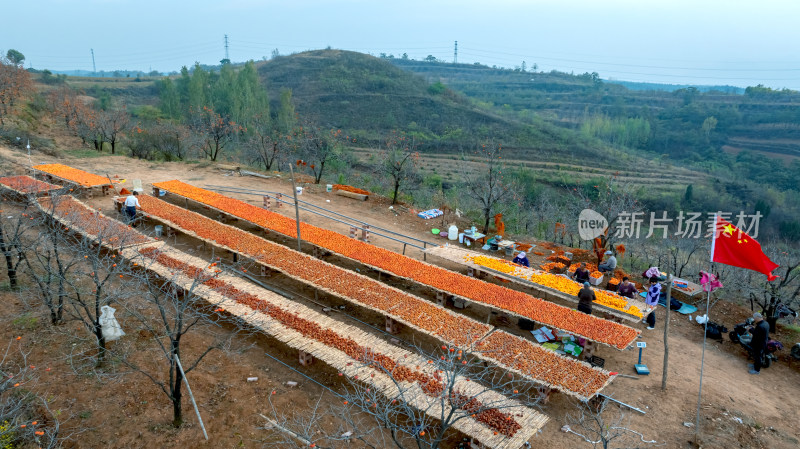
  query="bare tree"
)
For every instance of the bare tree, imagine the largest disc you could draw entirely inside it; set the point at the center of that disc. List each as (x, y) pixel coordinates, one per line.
(602, 426)
(318, 148)
(217, 131)
(169, 313)
(14, 224)
(111, 124)
(399, 161)
(366, 414)
(488, 185)
(615, 200)
(265, 143)
(25, 417)
(772, 297)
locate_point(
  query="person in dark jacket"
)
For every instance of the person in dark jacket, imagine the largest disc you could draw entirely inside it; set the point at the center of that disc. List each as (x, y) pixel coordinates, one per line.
(522, 259)
(581, 273)
(651, 302)
(627, 288)
(585, 298)
(759, 343)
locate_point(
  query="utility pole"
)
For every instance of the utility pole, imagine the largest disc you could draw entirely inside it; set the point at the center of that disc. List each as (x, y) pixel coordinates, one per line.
(455, 54)
(94, 67)
(226, 48)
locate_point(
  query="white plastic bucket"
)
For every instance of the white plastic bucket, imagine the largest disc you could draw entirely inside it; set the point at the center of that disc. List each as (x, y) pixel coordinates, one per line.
(328, 187)
(452, 232)
(299, 190)
(159, 230)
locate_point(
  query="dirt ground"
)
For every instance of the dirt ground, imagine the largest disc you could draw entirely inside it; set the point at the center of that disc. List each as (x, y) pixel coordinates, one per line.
(738, 409)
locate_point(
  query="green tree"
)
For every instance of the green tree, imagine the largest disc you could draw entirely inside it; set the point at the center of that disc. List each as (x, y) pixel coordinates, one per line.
(15, 57)
(688, 196)
(198, 88)
(763, 207)
(250, 98)
(286, 115)
(709, 124)
(170, 98)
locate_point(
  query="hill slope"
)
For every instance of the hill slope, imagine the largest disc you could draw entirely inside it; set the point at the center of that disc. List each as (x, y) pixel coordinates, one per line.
(368, 97)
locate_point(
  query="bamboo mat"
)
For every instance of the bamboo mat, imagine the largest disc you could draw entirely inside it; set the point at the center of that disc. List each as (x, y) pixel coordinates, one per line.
(485, 328)
(480, 329)
(477, 301)
(530, 420)
(458, 255)
(41, 186)
(99, 181)
(128, 237)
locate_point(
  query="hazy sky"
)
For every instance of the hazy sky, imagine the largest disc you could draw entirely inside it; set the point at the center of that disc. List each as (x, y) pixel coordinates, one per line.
(673, 41)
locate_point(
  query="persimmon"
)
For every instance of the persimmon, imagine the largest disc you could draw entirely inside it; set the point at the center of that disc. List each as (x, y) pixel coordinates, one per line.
(495, 419)
(26, 184)
(73, 175)
(520, 303)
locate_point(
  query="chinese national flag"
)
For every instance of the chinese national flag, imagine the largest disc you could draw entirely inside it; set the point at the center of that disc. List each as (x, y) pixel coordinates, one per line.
(731, 246)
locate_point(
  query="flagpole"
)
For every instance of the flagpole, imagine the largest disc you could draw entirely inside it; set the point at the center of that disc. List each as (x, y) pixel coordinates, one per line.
(702, 360)
(705, 332)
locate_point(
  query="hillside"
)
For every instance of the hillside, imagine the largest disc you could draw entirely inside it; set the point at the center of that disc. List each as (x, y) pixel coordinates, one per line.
(762, 120)
(368, 97)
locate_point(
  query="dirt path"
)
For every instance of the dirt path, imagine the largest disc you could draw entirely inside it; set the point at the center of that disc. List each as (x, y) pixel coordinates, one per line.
(766, 405)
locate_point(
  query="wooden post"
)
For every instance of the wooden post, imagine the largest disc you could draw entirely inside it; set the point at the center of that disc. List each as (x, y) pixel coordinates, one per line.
(296, 208)
(424, 254)
(666, 336)
(352, 232)
(266, 202)
(278, 200)
(404, 249)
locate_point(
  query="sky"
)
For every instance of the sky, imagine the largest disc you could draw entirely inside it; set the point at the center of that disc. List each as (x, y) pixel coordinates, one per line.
(706, 42)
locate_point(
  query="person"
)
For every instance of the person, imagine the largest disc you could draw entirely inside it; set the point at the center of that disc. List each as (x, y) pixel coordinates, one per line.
(759, 343)
(522, 259)
(581, 273)
(610, 264)
(627, 288)
(651, 301)
(585, 298)
(131, 203)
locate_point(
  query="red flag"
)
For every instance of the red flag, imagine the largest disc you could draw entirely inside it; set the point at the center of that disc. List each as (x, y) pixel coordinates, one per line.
(731, 246)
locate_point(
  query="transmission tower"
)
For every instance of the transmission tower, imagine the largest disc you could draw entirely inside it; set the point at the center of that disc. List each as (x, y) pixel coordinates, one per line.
(455, 54)
(226, 48)
(94, 67)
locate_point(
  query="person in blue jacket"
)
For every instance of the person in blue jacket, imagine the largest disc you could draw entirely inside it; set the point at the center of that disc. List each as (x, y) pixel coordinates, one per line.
(522, 259)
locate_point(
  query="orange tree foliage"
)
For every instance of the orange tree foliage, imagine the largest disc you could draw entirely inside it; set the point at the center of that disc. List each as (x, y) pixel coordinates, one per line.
(436, 320)
(15, 84)
(544, 312)
(382, 363)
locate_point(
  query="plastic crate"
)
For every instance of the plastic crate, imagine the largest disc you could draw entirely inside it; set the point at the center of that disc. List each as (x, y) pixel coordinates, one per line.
(597, 361)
